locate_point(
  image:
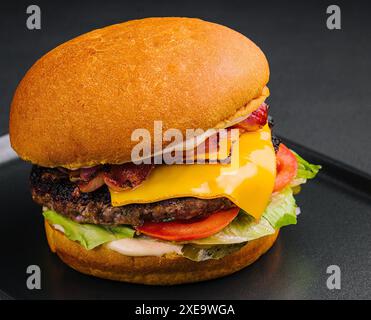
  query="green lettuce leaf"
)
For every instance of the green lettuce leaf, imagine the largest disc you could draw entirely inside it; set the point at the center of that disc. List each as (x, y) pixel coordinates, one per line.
(305, 169)
(281, 210)
(243, 228)
(202, 253)
(88, 235)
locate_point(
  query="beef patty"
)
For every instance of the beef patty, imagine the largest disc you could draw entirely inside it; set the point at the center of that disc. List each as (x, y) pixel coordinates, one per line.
(53, 189)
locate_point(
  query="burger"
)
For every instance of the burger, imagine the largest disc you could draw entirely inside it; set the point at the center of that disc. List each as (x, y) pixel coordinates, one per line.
(109, 215)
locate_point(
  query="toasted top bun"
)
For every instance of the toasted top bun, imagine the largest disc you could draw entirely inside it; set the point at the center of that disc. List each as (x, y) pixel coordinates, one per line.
(79, 104)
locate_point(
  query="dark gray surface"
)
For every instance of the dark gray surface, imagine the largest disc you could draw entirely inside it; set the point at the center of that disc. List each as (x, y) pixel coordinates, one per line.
(319, 78)
(334, 228)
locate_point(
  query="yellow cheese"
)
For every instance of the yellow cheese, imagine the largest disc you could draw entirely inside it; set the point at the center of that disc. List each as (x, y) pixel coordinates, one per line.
(249, 185)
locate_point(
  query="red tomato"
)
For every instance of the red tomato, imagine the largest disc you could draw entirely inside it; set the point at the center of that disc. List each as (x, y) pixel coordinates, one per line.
(183, 230)
(287, 167)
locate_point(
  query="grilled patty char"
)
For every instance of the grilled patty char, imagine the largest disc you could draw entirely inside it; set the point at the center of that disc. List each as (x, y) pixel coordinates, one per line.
(53, 189)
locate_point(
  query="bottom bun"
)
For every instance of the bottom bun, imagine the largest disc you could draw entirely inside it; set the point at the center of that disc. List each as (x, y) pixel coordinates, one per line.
(166, 270)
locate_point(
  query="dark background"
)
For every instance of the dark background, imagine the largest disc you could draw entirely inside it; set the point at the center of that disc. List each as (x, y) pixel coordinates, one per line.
(320, 78)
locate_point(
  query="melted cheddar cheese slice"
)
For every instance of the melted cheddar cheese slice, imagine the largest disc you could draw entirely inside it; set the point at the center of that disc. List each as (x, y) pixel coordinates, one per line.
(247, 181)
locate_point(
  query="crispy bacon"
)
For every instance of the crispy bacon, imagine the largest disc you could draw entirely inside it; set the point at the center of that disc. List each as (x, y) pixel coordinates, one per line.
(126, 176)
(256, 120)
(87, 174)
(92, 184)
(117, 177)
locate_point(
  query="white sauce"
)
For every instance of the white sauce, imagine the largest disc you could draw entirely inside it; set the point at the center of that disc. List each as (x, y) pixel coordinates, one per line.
(58, 227)
(138, 247)
(143, 247)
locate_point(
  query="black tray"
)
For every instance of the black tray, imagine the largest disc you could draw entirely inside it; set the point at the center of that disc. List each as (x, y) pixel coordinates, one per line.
(334, 228)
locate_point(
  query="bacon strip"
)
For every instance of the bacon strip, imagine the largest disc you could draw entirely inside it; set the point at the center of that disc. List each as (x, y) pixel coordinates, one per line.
(87, 174)
(93, 184)
(126, 176)
(256, 120)
(117, 177)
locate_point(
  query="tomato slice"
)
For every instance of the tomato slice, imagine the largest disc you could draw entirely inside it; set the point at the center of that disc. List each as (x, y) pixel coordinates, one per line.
(183, 230)
(287, 167)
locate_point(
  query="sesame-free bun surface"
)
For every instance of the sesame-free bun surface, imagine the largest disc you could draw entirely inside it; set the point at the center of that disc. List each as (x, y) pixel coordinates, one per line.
(79, 104)
(167, 270)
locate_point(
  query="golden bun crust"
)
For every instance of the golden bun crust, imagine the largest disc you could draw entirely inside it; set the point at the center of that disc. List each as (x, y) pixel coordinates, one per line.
(167, 270)
(79, 104)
